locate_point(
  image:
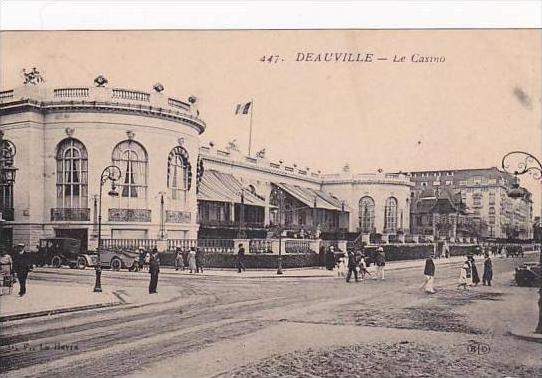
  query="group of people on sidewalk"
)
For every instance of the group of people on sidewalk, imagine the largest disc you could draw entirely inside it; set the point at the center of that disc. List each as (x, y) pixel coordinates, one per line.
(469, 272)
(356, 263)
(191, 260)
(468, 275)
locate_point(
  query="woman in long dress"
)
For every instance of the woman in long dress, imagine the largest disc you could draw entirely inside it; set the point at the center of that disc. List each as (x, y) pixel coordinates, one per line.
(475, 276)
(464, 275)
(192, 260)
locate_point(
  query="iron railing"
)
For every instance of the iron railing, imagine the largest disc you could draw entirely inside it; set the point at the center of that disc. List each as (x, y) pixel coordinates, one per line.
(258, 246)
(207, 245)
(148, 244)
(297, 246)
(69, 214)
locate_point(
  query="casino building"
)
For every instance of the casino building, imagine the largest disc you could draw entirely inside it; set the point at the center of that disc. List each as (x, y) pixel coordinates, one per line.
(170, 187)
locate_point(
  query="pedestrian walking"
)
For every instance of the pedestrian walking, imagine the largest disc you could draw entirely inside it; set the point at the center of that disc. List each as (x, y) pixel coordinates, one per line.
(185, 258)
(21, 266)
(342, 266)
(352, 267)
(154, 269)
(199, 260)
(363, 268)
(488, 271)
(446, 249)
(240, 259)
(147, 261)
(179, 261)
(331, 263)
(429, 273)
(474, 271)
(6, 269)
(380, 263)
(192, 260)
(464, 275)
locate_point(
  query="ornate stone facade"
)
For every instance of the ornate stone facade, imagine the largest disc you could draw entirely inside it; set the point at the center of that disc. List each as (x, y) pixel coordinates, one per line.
(65, 137)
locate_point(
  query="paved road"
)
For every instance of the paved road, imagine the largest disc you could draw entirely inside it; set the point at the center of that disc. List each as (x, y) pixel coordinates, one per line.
(205, 310)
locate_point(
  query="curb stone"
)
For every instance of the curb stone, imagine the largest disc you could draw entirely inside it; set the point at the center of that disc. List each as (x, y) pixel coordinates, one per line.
(36, 314)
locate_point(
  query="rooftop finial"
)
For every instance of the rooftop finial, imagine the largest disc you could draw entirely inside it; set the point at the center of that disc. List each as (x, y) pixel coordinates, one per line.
(158, 87)
(32, 76)
(100, 81)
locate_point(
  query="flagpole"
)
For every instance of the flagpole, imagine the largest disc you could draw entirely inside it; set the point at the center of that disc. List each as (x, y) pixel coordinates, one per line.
(250, 132)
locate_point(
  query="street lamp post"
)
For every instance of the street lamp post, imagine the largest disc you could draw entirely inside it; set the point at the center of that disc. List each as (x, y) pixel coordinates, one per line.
(525, 163)
(111, 173)
(278, 194)
(7, 175)
(162, 234)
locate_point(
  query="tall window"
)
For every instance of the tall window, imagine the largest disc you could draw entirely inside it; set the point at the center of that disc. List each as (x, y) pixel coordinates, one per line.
(390, 215)
(366, 214)
(178, 172)
(477, 200)
(132, 160)
(71, 174)
(492, 198)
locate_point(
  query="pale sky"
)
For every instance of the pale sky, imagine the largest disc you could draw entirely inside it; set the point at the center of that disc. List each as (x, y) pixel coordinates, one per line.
(484, 101)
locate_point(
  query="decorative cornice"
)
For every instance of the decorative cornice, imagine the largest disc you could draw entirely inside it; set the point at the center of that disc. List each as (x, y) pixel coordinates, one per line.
(26, 105)
(260, 168)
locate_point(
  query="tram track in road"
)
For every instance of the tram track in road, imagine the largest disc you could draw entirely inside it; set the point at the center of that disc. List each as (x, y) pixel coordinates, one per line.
(120, 340)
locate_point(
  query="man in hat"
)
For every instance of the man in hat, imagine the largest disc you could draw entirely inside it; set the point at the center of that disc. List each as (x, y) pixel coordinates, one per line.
(429, 273)
(21, 266)
(352, 265)
(154, 269)
(380, 263)
(240, 258)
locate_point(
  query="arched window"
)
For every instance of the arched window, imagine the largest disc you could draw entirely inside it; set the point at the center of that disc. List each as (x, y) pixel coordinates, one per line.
(71, 174)
(366, 214)
(390, 215)
(131, 158)
(179, 172)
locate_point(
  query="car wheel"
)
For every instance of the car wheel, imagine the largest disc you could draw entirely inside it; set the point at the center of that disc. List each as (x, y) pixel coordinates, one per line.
(116, 263)
(81, 262)
(56, 262)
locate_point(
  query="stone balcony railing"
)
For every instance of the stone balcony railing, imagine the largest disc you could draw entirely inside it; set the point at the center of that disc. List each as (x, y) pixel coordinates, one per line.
(151, 103)
(362, 178)
(68, 214)
(261, 163)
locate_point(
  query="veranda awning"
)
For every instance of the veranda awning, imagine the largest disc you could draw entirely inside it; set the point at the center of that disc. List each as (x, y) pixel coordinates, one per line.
(310, 197)
(222, 187)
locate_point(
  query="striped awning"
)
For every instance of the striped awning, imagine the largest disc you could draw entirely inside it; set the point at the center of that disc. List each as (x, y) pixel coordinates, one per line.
(311, 197)
(222, 187)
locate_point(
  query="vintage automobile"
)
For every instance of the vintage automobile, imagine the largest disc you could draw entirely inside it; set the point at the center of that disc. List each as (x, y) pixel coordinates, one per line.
(63, 251)
(116, 259)
(528, 274)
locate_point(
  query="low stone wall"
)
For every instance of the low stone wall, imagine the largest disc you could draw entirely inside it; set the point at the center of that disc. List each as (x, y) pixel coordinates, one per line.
(301, 260)
(267, 261)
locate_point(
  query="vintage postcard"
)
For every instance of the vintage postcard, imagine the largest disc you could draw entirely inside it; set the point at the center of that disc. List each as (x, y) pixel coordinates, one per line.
(271, 203)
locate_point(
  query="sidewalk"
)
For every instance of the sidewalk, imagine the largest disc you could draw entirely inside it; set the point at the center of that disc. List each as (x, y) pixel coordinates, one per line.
(311, 272)
(45, 299)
